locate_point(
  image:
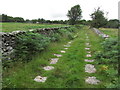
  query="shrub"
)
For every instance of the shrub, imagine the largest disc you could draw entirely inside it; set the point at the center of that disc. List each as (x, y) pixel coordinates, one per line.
(109, 57)
(67, 32)
(71, 29)
(29, 44)
(70, 36)
(110, 51)
(55, 37)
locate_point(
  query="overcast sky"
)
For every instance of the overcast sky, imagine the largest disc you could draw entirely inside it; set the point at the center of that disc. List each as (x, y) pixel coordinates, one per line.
(56, 9)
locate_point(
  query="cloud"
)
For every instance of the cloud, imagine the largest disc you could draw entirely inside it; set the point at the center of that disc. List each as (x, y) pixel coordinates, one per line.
(58, 16)
(56, 9)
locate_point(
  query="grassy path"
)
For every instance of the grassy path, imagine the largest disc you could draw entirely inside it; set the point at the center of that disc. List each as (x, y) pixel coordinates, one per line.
(68, 72)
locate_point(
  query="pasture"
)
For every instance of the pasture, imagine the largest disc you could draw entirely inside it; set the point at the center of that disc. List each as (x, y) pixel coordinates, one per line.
(9, 27)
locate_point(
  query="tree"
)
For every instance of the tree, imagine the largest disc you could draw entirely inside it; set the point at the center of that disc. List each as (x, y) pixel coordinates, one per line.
(28, 21)
(34, 20)
(4, 18)
(113, 23)
(74, 14)
(98, 19)
(41, 20)
(18, 19)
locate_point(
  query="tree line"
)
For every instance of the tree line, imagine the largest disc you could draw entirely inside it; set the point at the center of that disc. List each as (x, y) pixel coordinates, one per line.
(6, 18)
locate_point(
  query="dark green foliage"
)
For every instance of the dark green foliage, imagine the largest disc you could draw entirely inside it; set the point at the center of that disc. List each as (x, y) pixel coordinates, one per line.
(6, 18)
(109, 58)
(29, 44)
(74, 14)
(98, 19)
(114, 23)
(55, 37)
(41, 20)
(68, 33)
(70, 36)
(34, 20)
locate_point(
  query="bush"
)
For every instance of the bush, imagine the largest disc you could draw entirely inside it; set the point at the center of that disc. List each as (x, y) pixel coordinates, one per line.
(71, 29)
(29, 44)
(110, 43)
(55, 37)
(109, 57)
(67, 32)
(70, 36)
(110, 51)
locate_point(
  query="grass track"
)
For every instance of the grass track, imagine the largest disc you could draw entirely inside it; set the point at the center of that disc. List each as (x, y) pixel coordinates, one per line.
(69, 72)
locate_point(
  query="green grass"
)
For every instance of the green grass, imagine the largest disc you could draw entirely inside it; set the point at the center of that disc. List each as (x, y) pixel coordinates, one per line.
(109, 31)
(69, 72)
(9, 27)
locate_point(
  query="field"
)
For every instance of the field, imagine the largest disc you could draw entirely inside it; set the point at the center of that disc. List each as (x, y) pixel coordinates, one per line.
(111, 32)
(9, 27)
(69, 71)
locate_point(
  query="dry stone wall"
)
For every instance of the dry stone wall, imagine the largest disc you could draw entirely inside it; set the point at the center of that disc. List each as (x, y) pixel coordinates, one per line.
(100, 33)
(8, 39)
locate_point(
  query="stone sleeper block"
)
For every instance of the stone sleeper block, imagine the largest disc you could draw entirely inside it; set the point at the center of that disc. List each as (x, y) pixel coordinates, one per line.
(62, 51)
(65, 48)
(92, 80)
(66, 45)
(58, 55)
(88, 55)
(88, 51)
(87, 48)
(87, 60)
(48, 68)
(40, 79)
(89, 68)
(54, 60)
